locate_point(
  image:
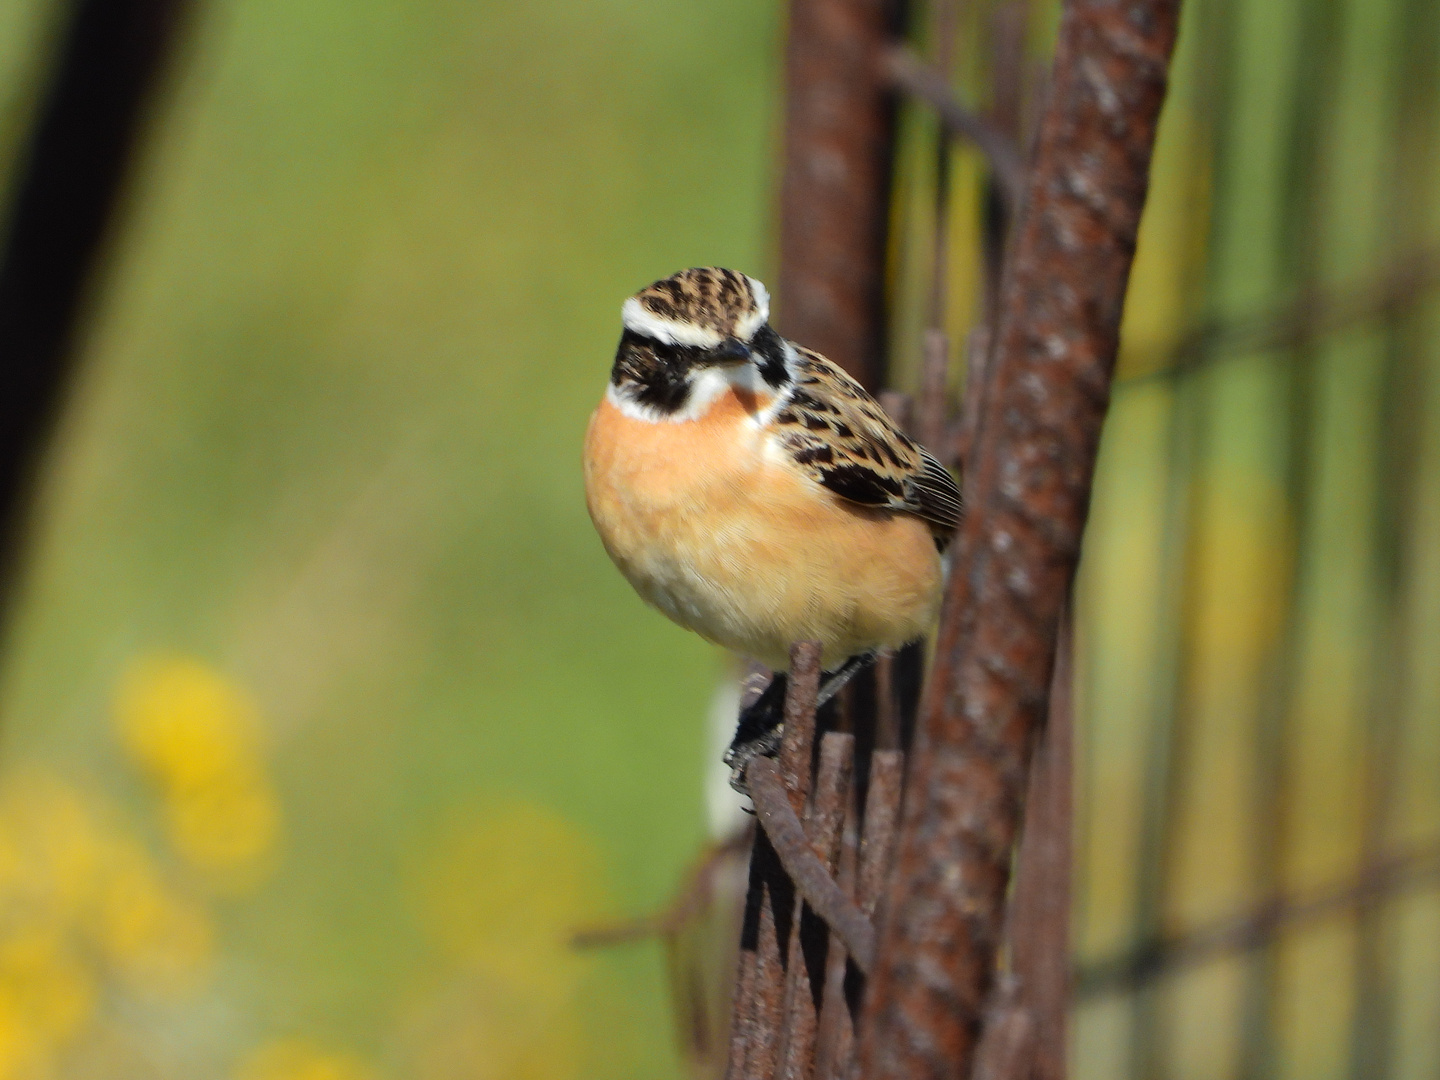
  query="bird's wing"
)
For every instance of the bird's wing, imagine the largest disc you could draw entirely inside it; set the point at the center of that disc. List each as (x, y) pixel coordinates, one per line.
(838, 434)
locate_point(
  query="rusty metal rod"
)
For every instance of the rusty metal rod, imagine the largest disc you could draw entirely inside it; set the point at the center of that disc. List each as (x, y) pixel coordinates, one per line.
(797, 744)
(742, 1015)
(809, 936)
(1038, 932)
(696, 890)
(1046, 393)
(767, 1006)
(1007, 1048)
(882, 819)
(757, 1013)
(911, 74)
(1255, 928)
(934, 405)
(779, 823)
(835, 1039)
(835, 190)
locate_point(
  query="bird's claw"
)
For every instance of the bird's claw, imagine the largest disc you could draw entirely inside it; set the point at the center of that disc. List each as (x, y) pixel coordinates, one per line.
(741, 754)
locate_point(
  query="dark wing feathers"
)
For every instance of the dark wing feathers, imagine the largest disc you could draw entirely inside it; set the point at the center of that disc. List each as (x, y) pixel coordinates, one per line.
(937, 494)
(841, 436)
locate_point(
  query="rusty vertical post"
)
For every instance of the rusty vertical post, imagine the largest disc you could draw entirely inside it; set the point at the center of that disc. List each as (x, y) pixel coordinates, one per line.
(1039, 929)
(835, 192)
(758, 1003)
(933, 407)
(810, 938)
(1046, 392)
(835, 1036)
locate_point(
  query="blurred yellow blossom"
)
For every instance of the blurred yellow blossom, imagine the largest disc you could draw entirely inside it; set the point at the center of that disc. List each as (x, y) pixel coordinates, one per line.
(156, 938)
(82, 905)
(501, 893)
(296, 1059)
(505, 890)
(200, 737)
(480, 1028)
(45, 995)
(50, 851)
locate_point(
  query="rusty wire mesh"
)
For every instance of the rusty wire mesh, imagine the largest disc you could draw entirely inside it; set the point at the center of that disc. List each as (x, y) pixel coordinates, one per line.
(1256, 842)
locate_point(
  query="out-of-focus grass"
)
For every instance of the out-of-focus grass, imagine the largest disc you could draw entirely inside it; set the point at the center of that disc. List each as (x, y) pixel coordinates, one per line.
(1251, 672)
(324, 450)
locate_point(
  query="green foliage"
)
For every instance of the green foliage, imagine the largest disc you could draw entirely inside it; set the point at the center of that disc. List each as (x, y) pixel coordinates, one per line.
(326, 441)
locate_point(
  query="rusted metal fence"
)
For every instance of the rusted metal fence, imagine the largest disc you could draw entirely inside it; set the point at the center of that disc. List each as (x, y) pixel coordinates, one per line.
(1127, 954)
(937, 1002)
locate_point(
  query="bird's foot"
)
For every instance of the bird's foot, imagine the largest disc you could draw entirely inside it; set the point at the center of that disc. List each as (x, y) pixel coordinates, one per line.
(741, 754)
(758, 733)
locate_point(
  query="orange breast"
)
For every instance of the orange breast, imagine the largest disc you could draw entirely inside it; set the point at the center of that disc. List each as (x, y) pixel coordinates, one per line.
(715, 528)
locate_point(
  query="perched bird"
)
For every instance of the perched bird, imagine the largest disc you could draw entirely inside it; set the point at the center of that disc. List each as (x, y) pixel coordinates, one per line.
(756, 494)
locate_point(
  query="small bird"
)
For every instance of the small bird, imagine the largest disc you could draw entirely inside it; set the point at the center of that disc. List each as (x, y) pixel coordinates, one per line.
(756, 494)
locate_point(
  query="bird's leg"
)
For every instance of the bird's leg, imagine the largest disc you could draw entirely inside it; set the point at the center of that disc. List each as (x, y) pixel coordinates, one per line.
(832, 682)
(758, 733)
(762, 724)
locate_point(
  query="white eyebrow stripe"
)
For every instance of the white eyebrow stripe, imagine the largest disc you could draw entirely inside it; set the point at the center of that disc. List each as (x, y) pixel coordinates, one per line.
(745, 329)
(641, 320)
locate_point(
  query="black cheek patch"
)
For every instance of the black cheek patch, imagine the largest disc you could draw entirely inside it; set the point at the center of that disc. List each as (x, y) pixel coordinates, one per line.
(770, 351)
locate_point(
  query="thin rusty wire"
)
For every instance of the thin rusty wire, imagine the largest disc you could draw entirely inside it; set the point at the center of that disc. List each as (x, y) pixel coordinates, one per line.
(1038, 927)
(757, 1012)
(810, 937)
(1316, 312)
(1256, 928)
(835, 1038)
(907, 72)
(695, 891)
(835, 186)
(812, 880)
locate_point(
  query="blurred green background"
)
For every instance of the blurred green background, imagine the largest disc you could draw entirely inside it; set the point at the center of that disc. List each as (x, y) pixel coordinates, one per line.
(325, 718)
(316, 641)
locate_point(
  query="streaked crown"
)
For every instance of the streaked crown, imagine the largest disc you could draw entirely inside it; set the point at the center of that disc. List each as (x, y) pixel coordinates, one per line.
(701, 307)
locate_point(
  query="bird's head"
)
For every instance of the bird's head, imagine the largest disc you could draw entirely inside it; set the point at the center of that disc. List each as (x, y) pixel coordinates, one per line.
(700, 325)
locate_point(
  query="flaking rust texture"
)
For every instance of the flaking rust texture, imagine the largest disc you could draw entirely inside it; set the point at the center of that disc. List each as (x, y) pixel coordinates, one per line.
(1029, 490)
(834, 196)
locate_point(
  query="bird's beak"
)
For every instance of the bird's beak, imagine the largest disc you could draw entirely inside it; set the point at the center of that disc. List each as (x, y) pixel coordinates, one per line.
(731, 351)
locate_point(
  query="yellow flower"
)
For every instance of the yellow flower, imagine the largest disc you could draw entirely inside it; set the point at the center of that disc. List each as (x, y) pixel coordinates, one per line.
(50, 851)
(200, 737)
(45, 995)
(506, 889)
(157, 939)
(295, 1059)
(477, 1028)
(502, 892)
